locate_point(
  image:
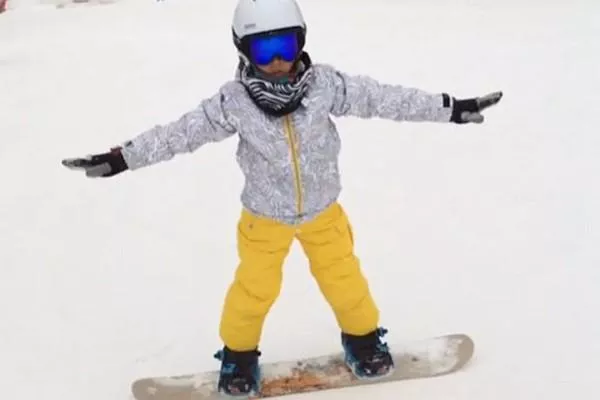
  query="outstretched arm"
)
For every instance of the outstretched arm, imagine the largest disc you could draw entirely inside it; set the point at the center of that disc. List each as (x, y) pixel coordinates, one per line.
(364, 97)
(206, 123)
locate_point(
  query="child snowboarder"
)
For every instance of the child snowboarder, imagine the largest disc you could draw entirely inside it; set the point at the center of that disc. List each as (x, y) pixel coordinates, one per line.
(279, 105)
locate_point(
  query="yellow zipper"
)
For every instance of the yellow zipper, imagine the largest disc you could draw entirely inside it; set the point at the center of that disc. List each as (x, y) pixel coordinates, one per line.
(289, 130)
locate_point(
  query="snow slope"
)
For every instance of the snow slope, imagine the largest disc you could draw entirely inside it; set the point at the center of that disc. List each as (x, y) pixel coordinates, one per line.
(490, 229)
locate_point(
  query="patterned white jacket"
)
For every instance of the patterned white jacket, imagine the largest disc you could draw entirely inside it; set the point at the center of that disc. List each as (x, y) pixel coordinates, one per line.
(290, 163)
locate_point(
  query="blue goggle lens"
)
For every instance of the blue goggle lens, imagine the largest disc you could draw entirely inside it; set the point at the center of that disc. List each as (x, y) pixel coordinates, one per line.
(264, 49)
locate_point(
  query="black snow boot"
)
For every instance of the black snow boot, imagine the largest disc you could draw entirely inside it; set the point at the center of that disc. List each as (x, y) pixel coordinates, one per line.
(240, 372)
(367, 356)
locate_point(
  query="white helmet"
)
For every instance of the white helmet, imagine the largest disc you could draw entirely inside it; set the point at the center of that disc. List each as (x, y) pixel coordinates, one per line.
(258, 16)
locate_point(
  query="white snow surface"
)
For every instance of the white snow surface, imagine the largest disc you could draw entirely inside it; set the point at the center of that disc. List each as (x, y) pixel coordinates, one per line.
(491, 230)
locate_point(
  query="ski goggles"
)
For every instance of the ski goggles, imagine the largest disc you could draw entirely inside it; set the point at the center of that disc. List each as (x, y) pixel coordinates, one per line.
(265, 48)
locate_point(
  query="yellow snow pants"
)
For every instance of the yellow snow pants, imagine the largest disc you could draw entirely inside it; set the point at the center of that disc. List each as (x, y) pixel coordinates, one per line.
(263, 245)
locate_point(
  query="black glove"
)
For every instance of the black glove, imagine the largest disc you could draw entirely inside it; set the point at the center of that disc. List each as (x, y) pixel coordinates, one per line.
(469, 110)
(99, 165)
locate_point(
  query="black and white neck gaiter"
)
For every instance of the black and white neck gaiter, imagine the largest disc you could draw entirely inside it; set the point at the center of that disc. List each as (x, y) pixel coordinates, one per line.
(276, 97)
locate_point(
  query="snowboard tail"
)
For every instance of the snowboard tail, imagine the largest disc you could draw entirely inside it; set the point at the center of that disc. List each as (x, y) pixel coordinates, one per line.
(425, 358)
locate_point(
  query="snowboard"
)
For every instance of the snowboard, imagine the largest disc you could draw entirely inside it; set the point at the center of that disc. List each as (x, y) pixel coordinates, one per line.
(424, 358)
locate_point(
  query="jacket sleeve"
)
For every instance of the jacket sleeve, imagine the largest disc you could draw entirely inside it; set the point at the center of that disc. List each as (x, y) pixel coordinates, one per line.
(364, 97)
(208, 122)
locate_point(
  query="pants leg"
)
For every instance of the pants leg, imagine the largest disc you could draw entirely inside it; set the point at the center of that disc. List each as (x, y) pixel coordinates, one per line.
(263, 245)
(329, 245)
